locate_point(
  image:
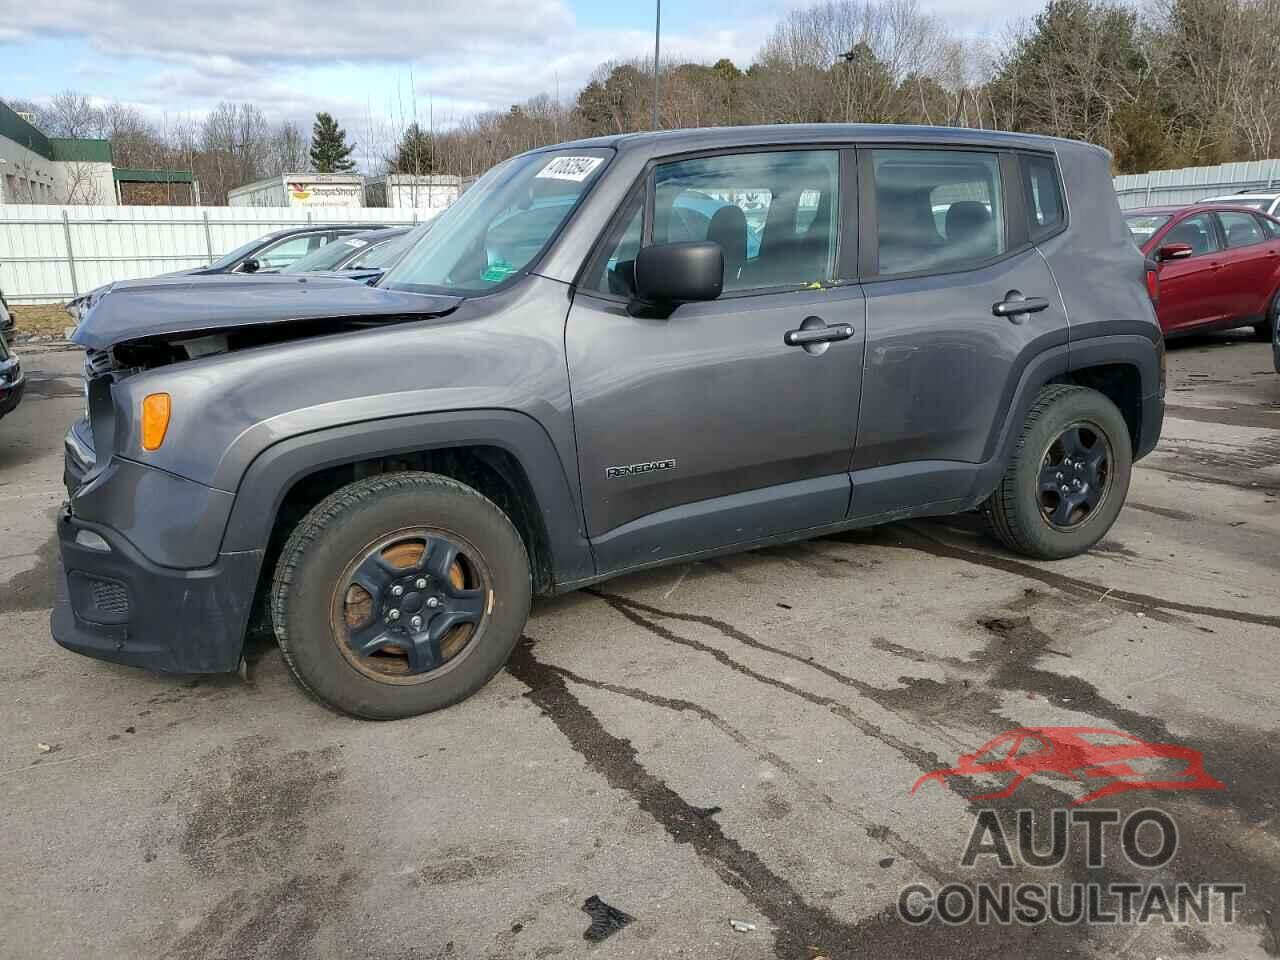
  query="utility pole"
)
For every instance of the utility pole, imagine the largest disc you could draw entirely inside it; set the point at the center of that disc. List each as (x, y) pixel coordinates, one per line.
(657, 34)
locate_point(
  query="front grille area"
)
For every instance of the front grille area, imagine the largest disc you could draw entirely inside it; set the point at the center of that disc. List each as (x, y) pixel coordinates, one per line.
(98, 599)
(110, 597)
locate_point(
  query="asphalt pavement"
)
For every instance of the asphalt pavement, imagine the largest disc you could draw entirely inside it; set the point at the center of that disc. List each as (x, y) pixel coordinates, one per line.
(731, 740)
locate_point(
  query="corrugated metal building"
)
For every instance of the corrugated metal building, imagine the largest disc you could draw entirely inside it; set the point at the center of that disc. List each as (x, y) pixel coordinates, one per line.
(1189, 184)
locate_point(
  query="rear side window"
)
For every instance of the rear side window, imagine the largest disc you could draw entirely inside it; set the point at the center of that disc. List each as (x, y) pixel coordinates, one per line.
(1271, 228)
(937, 210)
(1044, 195)
(1240, 229)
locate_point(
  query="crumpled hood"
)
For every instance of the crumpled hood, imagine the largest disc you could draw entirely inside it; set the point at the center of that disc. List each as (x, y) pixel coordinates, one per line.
(137, 309)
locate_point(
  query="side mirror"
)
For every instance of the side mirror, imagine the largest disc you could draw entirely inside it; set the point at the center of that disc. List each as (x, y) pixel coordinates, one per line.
(1174, 251)
(250, 266)
(668, 274)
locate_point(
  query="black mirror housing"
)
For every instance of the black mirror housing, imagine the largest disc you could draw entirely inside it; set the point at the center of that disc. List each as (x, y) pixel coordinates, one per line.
(250, 266)
(667, 274)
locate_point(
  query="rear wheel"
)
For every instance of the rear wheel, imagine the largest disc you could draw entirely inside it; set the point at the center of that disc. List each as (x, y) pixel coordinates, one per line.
(1068, 476)
(400, 594)
(1265, 330)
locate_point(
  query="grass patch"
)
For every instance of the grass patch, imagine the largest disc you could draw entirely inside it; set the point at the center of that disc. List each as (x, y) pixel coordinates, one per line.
(41, 319)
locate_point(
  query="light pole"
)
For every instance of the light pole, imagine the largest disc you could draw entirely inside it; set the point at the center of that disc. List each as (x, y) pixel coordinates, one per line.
(848, 57)
(657, 34)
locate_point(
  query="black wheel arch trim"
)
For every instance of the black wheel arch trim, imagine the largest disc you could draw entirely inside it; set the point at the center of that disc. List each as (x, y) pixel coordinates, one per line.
(1060, 361)
(275, 470)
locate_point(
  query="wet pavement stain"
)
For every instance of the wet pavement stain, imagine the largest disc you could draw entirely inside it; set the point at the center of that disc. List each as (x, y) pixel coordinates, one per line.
(882, 834)
(279, 922)
(1165, 512)
(629, 608)
(33, 589)
(251, 806)
(1222, 828)
(912, 538)
(800, 924)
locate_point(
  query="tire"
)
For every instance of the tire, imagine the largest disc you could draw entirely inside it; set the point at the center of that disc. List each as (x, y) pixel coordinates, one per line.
(1016, 511)
(1265, 330)
(309, 603)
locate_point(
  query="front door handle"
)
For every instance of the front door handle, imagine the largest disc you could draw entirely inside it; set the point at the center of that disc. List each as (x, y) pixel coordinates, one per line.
(815, 334)
(1014, 305)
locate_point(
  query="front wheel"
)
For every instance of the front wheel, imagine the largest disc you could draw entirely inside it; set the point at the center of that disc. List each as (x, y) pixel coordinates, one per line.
(1265, 330)
(1068, 477)
(400, 594)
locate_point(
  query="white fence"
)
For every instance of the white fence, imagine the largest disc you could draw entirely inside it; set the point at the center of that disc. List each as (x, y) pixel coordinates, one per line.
(49, 254)
(1189, 184)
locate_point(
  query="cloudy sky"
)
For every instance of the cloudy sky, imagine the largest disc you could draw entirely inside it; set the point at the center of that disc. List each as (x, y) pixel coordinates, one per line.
(292, 57)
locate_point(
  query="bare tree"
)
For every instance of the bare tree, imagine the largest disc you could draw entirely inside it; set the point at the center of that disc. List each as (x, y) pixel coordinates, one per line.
(81, 184)
(72, 114)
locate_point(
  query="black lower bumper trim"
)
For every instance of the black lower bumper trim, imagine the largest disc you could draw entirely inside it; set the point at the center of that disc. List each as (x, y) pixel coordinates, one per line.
(160, 618)
(1152, 424)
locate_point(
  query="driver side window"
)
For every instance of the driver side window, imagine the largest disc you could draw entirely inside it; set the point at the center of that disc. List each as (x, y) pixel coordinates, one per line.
(774, 216)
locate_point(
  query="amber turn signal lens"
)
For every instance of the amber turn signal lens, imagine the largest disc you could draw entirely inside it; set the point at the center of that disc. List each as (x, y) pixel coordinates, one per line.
(155, 420)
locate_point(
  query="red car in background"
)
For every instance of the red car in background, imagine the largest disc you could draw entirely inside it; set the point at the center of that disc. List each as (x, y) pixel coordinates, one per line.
(1219, 266)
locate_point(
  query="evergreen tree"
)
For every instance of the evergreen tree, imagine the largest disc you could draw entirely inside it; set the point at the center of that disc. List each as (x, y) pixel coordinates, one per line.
(329, 150)
(416, 152)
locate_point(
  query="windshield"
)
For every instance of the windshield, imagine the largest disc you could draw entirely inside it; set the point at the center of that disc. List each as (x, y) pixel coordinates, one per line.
(238, 253)
(500, 226)
(1141, 227)
(327, 257)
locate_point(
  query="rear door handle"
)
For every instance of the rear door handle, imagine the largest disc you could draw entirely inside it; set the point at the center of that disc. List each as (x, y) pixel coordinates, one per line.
(807, 335)
(1014, 305)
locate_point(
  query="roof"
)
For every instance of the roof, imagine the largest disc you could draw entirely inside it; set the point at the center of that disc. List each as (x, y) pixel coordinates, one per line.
(382, 233)
(791, 133)
(1200, 206)
(136, 175)
(68, 150)
(13, 127)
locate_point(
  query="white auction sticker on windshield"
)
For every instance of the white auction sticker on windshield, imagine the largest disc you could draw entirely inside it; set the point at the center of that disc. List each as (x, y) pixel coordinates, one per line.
(576, 169)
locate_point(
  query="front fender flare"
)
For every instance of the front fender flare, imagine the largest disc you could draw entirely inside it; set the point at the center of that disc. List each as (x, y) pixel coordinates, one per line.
(277, 468)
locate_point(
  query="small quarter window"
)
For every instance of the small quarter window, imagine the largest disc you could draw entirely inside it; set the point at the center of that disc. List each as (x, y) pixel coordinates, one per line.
(1044, 195)
(937, 210)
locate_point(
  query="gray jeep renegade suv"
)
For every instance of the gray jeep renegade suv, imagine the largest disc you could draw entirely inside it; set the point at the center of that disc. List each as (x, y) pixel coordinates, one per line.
(607, 355)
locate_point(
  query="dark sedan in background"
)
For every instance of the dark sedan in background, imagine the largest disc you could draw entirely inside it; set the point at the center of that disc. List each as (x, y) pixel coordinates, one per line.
(277, 250)
(1219, 266)
(362, 256)
(270, 253)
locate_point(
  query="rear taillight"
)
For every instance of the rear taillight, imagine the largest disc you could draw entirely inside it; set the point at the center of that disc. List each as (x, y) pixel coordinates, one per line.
(1153, 284)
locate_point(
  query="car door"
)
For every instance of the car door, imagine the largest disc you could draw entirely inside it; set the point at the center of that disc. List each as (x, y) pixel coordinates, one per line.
(1191, 288)
(1249, 262)
(705, 429)
(941, 364)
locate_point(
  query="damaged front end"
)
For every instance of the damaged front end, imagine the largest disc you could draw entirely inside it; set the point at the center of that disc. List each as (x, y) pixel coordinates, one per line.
(144, 579)
(144, 324)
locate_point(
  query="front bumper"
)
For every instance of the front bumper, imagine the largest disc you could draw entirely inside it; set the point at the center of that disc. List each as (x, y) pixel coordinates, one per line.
(1152, 425)
(13, 383)
(116, 605)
